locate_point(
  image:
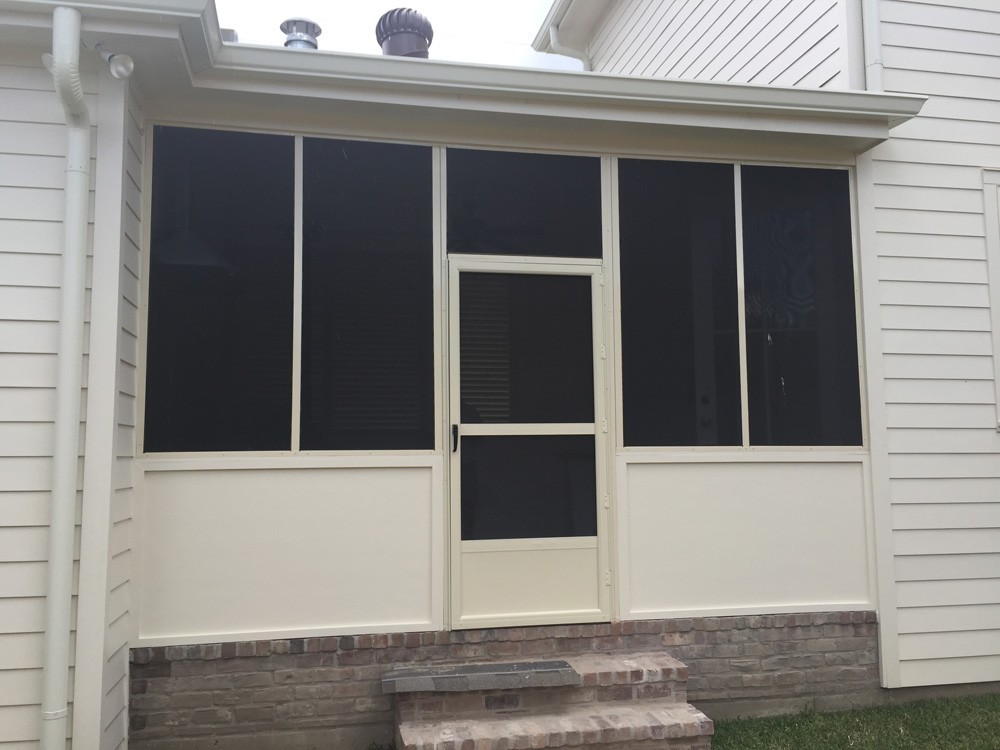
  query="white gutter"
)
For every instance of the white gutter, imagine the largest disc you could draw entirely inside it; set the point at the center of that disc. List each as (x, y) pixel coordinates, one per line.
(55, 679)
(435, 83)
(559, 49)
(871, 29)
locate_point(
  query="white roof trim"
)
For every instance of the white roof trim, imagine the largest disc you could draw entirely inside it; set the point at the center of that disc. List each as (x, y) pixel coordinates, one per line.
(849, 119)
(431, 83)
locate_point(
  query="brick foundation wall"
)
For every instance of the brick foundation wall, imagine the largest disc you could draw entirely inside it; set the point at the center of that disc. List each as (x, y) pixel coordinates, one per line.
(310, 692)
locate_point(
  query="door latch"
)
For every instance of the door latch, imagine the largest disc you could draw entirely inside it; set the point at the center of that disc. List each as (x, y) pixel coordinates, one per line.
(454, 438)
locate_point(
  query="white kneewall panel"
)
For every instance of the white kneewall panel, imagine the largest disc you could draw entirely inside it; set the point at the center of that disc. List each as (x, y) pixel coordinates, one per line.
(256, 553)
(743, 538)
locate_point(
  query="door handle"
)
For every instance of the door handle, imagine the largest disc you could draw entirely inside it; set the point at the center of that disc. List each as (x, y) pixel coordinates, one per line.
(454, 438)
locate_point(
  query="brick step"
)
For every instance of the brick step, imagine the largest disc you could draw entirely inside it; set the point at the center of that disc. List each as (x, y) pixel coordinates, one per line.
(636, 725)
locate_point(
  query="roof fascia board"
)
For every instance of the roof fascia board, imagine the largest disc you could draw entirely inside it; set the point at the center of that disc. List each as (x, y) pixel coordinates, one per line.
(202, 37)
(447, 85)
(466, 85)
(120, 9)
(196, 20)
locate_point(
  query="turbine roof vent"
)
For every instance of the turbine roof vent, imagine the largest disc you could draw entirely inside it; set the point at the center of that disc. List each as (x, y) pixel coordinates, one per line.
(404, 32)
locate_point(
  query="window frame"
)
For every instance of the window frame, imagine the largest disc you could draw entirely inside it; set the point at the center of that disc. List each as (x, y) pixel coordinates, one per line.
(746, 450)
(611, 261)
(224, 458)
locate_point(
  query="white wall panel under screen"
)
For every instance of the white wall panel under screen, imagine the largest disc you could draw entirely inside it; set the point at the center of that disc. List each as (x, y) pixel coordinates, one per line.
(236, 553)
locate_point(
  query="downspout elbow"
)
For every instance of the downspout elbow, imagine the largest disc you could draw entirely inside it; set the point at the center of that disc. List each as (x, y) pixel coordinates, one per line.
(557, 47)
(66, 66)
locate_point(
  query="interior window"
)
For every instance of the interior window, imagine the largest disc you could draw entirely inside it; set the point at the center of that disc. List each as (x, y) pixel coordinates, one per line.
(219, 352)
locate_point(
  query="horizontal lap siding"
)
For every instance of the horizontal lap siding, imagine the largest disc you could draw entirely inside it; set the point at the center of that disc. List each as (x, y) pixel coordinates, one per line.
(944, 450)
(782, 43)
(32, 136)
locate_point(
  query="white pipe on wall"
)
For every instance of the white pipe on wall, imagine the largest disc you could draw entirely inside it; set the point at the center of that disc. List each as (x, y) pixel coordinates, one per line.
(559, 49)
(871, 29)
(66, 77)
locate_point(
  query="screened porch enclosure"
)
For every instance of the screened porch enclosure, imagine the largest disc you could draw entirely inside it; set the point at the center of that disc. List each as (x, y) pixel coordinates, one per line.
(509, 330)
(718, 291)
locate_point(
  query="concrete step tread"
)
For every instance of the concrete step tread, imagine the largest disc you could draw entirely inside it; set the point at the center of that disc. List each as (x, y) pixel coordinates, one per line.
(479, 676)
(587, 670)
(569, 726)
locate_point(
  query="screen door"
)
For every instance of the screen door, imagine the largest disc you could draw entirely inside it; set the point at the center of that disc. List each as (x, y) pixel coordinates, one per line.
(527, 440)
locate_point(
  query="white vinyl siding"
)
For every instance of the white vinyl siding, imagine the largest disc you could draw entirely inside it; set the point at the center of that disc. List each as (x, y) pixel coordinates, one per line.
(776, 42)
(100, 716)
(32, 144)
(937, 334)
(115, 709)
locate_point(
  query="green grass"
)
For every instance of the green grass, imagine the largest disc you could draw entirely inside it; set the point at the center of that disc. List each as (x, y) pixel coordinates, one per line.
(971, 723)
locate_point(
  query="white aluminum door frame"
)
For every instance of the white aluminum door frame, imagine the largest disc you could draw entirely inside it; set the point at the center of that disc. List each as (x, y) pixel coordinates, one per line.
(592, 268)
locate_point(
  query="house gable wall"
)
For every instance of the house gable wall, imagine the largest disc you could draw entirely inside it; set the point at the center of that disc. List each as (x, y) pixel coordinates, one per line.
(936, 330)
(800, 43)
(937, 334)
(32, 146)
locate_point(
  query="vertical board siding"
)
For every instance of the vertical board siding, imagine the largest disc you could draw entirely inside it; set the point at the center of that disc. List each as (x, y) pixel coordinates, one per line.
(944, 450)
(777, 42)
(114, 708)
(32, 148)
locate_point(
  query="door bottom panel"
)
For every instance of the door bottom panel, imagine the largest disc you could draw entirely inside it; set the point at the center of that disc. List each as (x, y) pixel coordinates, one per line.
(525, 586)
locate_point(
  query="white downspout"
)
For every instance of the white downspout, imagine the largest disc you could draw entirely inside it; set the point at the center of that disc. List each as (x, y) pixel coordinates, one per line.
(62, 522)
(871, 29)
(559, 49)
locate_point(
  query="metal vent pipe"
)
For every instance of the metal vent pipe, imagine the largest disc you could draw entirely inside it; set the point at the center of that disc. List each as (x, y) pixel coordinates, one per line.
(301, 33)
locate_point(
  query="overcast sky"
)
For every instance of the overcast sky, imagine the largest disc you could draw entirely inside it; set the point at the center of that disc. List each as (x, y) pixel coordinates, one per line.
(498, 33)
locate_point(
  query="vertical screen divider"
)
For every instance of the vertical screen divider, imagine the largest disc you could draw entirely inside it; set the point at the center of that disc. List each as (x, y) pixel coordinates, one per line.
(615, 345)
(741, 309)
(297, 300)
(439, 238)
